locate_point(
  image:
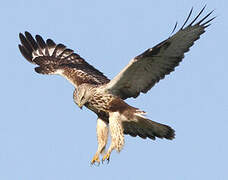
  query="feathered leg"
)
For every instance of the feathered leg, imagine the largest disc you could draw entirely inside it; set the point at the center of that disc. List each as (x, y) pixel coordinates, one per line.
(102, 138)
(116, 132)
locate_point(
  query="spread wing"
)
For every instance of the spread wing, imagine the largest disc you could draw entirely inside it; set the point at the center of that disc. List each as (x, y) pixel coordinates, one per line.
(145, 70)
(54, 58)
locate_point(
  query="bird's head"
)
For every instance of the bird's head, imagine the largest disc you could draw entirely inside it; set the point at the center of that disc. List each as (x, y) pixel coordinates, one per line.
(81, 95)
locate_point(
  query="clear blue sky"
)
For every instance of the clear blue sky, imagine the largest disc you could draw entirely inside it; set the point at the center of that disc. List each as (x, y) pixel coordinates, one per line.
(44, 135)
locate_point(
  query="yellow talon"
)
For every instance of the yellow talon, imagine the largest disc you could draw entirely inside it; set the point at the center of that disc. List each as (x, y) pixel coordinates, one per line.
(106, 157)
(95, 160)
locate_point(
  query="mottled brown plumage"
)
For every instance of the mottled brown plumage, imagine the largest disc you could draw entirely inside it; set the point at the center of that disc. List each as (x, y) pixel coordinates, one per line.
(106, 98)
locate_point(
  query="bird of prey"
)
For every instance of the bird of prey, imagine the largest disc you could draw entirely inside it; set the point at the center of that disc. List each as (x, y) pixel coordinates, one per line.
(106, 97)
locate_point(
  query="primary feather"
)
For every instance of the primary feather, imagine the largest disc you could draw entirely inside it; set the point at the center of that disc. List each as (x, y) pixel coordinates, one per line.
(57, 59)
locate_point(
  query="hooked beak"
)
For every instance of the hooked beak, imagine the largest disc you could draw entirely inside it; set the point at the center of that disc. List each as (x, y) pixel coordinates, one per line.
(80, 106)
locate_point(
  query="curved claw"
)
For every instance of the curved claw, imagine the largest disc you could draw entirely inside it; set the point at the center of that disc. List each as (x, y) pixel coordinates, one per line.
(106, 157)
(95, 161)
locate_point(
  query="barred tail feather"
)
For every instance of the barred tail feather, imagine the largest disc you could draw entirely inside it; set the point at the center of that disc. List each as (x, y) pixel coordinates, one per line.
(143, 127)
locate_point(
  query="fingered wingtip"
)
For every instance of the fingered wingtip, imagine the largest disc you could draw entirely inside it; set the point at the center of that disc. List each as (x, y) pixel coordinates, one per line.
(206, 23)
(189, 15)
(26, 32)
(175, 26)
(21, 37)
(205, 18)
(194, 20)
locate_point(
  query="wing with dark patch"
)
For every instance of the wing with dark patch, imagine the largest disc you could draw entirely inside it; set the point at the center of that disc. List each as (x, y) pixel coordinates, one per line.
(145, 70)
(54, 58)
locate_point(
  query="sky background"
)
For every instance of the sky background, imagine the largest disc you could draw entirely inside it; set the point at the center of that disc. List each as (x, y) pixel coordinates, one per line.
(44, 135)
